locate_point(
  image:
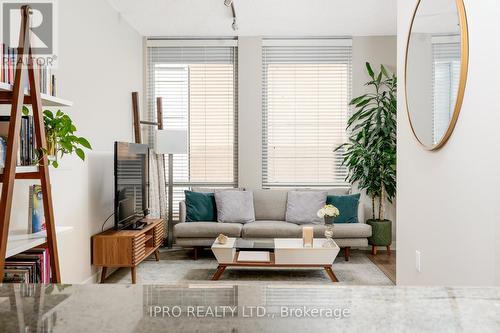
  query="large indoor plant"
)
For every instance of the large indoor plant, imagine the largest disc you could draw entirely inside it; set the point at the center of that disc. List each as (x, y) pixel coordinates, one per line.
(370, 153)
(60, 136)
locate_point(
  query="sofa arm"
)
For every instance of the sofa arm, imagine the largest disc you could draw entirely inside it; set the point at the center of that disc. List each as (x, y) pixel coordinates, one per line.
(182, 211)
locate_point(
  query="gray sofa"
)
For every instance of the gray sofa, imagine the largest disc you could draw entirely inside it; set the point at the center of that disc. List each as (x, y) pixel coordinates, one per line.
(270, 209)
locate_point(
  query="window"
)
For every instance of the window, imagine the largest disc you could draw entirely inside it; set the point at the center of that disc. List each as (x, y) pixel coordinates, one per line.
(306, 93)
(446, 76)
(197, 81)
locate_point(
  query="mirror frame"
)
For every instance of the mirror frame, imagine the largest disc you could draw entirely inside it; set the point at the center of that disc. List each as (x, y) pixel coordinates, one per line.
(464, 66)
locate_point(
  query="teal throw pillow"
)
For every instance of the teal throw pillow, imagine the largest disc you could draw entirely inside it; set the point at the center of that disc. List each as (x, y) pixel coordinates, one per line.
(200, 207)
(347, 205)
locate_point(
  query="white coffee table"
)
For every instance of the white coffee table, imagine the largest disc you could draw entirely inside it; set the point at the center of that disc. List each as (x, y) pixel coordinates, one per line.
(285, 252)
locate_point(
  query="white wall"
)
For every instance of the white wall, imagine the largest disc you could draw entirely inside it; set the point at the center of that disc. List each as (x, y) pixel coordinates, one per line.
(376, 50)
(100, 64)
(250, 112)
(448, 199)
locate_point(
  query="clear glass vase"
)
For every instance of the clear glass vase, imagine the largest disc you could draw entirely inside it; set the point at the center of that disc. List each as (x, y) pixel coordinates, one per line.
(328, 227)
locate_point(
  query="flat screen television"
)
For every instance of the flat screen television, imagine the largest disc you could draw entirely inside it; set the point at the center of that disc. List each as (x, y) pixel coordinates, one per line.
(131, 184)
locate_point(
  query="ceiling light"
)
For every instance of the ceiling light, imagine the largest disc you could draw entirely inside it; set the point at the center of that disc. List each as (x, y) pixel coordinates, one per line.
(228, 2)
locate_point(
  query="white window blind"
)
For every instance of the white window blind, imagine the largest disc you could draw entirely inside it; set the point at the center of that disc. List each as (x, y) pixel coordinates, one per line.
(306, 92)
(198, 86)
(446, 76)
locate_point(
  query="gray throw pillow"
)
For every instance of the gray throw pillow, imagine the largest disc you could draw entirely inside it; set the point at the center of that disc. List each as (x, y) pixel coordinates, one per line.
(234, 206)
(302, 206)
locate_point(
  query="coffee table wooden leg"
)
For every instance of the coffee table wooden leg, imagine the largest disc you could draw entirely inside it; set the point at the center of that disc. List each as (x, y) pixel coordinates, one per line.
(219, 272)
(332, 276)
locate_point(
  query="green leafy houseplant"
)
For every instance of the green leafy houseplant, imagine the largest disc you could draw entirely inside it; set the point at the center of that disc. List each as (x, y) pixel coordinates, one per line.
(370, 153)
(60, 136)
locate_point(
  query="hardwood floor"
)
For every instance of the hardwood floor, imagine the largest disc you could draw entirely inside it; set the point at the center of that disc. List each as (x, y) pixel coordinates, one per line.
(386, 263)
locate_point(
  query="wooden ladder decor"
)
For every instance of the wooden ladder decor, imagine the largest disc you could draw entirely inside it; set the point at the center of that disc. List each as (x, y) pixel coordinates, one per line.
(17, 98)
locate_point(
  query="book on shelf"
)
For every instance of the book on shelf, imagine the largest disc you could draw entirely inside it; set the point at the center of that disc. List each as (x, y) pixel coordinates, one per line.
(8, 65)
(26, 154)
(36, 214)
(31, 266)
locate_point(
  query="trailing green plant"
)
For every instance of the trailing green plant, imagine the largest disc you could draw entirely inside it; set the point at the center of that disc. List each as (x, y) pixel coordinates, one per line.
(370, 153)
(61, 139)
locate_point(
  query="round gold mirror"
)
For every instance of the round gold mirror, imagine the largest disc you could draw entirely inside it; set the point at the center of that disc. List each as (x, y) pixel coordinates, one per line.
(436, 69)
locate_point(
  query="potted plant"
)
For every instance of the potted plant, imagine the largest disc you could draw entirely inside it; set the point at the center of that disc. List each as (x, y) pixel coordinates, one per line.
(370, 153)
(60, 136)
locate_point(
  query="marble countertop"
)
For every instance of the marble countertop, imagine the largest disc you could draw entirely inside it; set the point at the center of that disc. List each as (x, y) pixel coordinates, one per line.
(223, 307)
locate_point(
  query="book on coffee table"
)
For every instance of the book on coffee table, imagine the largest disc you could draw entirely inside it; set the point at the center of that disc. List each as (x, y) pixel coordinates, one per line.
(254, 256)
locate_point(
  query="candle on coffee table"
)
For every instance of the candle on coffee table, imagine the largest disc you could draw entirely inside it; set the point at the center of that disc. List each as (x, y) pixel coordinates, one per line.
(307, 236)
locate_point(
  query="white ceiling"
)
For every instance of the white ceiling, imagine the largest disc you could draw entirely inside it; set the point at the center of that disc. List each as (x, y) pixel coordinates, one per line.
(260, 17)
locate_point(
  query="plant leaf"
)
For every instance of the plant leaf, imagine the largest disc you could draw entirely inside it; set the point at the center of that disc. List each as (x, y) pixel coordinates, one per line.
(84, 142)
(370, 70)
(80, 153)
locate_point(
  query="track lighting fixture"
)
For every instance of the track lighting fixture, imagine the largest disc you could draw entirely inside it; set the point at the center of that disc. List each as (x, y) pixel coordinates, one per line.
(230, 3)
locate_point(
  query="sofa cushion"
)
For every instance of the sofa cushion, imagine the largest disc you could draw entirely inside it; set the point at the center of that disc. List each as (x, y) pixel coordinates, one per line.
(207, 229)
(270, 204)
(343, 230)
(234, 206)
(200, 206)
(302, 206)
(347, 206)
(271, 229)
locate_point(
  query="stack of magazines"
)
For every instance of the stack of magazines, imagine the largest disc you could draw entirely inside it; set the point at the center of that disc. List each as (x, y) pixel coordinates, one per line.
(32, 266)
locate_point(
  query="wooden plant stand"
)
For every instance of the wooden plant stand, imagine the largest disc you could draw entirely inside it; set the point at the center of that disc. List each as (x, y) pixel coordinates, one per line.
(127, 248)
(16, 96)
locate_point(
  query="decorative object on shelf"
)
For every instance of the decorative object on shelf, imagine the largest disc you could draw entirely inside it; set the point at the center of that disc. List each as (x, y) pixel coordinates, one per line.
(36, 215)
(60, 137)
(171, 142)
(222, 239)
(307, 236)
(437, 56)
(381, 235)
(3, 150)
(370, 154)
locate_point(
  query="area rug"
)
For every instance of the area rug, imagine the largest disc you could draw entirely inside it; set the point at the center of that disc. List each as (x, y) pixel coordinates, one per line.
(177, 266)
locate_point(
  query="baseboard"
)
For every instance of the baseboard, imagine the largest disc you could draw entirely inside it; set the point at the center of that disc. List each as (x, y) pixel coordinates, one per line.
(96, 277)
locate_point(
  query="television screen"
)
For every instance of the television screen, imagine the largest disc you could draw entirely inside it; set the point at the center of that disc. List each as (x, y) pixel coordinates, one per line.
(131, 183)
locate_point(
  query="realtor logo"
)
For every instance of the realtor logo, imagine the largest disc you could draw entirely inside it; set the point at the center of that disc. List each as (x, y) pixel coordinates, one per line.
(41, 27)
